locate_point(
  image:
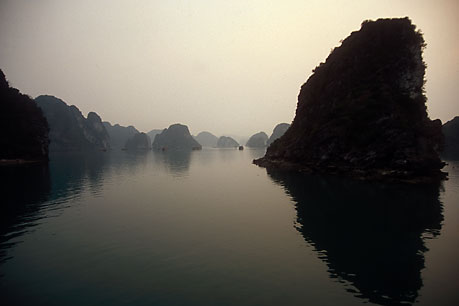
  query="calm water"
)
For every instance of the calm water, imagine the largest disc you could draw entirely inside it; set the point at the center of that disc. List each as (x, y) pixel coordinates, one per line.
(210, 228)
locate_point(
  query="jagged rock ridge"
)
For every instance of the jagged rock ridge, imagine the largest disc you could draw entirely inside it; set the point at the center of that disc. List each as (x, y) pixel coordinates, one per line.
(119, 135)
(176, 137)
(278, 132)
(69, 129)
(22, 124)
(257, 140)
(363, 112)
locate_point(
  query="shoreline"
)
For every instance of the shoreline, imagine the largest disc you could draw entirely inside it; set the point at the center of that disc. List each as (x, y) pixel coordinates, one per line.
(20, 161)
(378, 175)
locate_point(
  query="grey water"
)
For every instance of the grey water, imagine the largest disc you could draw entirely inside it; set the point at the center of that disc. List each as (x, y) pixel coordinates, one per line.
(209, 228)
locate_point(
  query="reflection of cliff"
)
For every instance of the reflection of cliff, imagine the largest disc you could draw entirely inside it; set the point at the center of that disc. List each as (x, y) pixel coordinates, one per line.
(71, 173)
(370, 235)
(176, 161)
(23, 189)
(29, 191)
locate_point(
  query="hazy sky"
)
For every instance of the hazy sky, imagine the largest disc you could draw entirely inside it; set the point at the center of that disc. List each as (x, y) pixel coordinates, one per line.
(229, 67)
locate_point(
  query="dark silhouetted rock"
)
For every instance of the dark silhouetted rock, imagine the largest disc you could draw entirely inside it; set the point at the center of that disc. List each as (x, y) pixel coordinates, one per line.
(207, 139)
(24, 129)
(119, 135)
(257, 140)
(69, 129)
(176, 137)
(278, 131)
(139, 141)
(226, 142)
(370, 235)
(362, 113)
(152, 134)
(451, 132)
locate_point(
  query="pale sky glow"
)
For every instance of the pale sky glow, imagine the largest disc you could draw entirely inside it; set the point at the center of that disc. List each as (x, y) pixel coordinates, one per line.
(228, 67)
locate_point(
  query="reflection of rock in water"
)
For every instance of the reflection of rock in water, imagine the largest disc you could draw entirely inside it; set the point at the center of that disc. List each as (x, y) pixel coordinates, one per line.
(72, 172)
(369, 234)
(28, 191)
(176, 161)
(23, 189)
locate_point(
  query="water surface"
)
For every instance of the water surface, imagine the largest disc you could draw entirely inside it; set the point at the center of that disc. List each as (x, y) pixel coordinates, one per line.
(209, 228)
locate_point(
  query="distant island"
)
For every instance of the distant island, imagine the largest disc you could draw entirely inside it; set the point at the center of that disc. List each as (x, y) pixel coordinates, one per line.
(227, 142)
(257, 140)
(119, 135)
(362, 113)
(69, 129)
(138, 142)
(207, 139)
(152, 134)
(278, 132)
(176, 137)
(23, 125)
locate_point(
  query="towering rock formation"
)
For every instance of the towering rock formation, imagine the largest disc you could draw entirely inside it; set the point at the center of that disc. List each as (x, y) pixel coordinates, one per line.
(257, 140)
(227, 142)
(23, 128)
(207, 139)
(451, 132)
(69, 129)
(119, 135)
(363, 112)
(278, 131)
(176, 137)
(139, 141)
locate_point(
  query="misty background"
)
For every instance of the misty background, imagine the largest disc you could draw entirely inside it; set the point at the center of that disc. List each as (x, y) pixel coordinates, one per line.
(228, 67)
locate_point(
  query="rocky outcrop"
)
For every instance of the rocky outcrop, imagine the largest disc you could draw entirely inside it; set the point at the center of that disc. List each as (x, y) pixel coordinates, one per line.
(69, 129)
(278, 132)
(176, 137)
(23, 128)
(227, 142)
(207, 139)
(138, 142)
(362, 112)
(451, 132)
(257, 140)
(119, 135)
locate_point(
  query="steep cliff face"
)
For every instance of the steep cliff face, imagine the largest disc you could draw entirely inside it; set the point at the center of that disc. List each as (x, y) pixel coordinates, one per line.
(278, 132)
(227, 142)
(363, 111)
(176, 137)
(96, 132)
(451, 132)
(257, 140)
(23, 128)
(69, 129)
(139, 141)
(118, 134)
